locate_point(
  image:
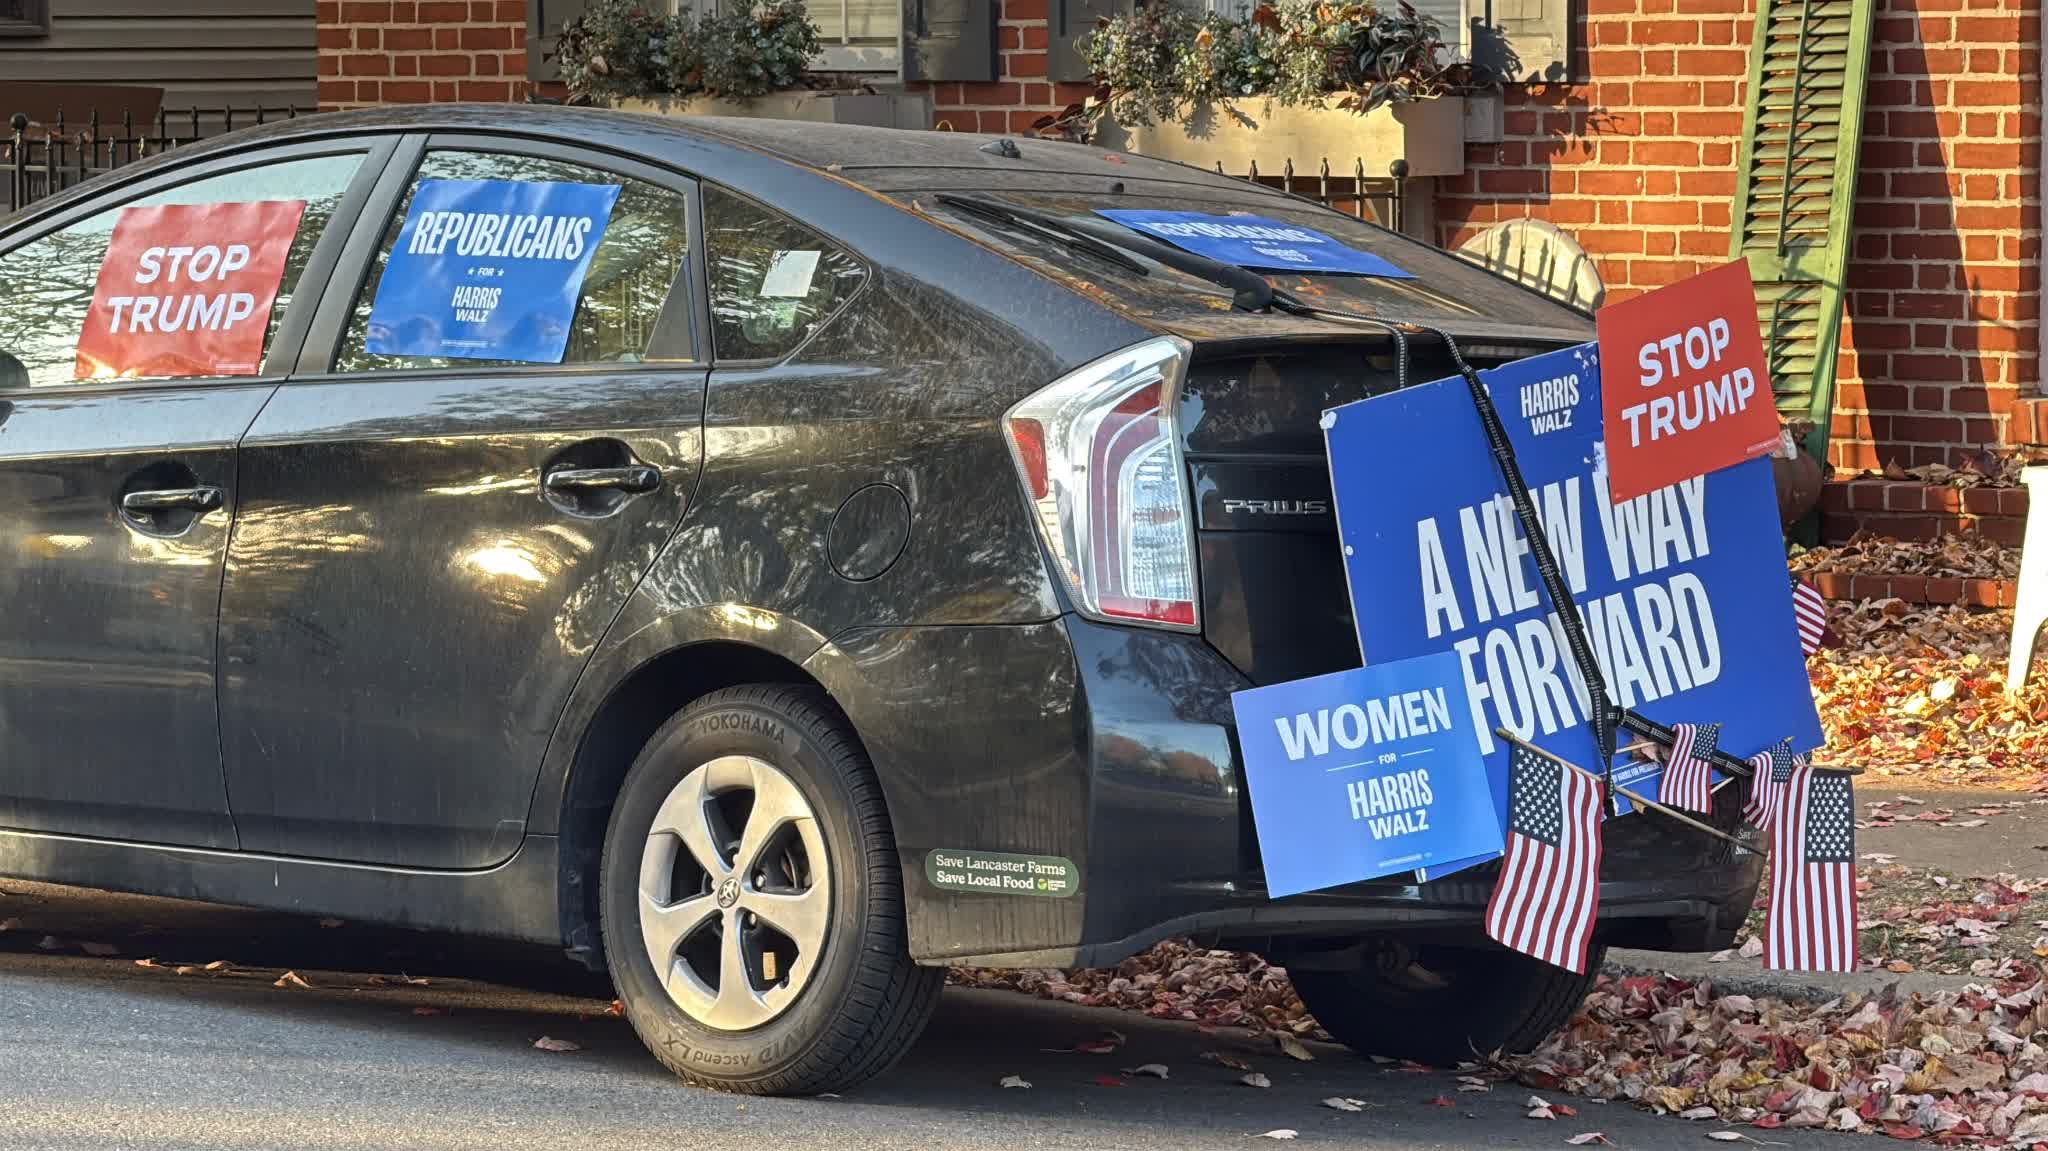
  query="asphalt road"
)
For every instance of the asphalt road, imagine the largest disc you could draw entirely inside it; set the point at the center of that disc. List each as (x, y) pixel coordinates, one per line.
(98, 1052)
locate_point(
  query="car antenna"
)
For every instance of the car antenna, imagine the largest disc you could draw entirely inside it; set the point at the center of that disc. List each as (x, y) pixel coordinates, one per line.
(1002, 146)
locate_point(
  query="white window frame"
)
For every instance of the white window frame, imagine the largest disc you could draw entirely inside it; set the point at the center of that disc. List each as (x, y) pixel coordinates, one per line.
(845, 54)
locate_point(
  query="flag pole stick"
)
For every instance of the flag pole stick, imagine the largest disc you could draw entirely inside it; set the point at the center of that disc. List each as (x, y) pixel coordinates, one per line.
(1647, 804)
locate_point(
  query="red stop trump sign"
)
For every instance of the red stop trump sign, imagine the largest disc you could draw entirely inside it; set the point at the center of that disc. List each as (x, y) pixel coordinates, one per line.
(186, 290)
(1683, 383)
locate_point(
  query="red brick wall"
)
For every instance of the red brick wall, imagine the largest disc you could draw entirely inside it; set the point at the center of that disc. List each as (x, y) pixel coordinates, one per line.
(1939, 339)
(1945, 277)
(1021, 92)
(417, 51)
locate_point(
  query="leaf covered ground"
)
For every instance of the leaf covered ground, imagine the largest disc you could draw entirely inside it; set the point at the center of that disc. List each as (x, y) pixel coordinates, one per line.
(1918, 692)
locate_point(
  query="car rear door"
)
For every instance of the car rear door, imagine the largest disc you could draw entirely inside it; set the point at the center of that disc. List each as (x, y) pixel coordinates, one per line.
(141, 330)
(431, 544)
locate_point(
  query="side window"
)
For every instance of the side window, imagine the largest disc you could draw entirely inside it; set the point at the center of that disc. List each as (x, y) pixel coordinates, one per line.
(180, 300)
(496, 266)
(772, 279)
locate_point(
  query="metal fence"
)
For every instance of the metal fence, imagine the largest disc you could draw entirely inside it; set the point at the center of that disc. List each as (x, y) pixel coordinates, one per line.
(44, 159)
(1379, 199)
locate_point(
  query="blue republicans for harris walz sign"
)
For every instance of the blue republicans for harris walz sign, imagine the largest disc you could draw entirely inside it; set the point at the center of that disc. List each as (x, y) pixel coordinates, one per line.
(1365, 773)
(1684, 590)
(1254, 242)
(489, 269)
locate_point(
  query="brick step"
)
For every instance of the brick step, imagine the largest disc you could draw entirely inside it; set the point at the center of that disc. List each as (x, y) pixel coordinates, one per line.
(1912, 510)
(1942, 590)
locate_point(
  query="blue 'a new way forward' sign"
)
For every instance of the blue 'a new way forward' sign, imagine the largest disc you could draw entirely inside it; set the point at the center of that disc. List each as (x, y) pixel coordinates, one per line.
(1684, 591)
(1365, 773)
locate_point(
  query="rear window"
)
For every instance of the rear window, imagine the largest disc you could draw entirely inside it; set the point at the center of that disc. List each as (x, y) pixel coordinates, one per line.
(1445, 289)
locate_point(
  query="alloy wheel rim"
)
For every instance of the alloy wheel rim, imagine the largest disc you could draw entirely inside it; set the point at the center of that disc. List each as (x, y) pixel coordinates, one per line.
(735, 893)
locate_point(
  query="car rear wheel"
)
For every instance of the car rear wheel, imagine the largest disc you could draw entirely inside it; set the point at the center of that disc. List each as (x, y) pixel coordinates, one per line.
(1439, 1005)
(752, 903)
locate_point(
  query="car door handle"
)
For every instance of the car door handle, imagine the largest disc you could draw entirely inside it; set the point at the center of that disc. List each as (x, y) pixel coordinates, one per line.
(634, 479)
(203, 498)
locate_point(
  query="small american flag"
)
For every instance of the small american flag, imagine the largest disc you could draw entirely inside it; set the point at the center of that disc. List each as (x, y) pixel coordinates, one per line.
(1771, 770)
(1810, 611)
(1689, 774)
(1812, 924)
(1549, 887)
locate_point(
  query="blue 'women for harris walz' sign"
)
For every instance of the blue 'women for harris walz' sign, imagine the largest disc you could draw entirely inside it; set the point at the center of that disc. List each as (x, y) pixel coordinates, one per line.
(489, 269)
(1365, 773)
(1254, 242)
(1683, 590)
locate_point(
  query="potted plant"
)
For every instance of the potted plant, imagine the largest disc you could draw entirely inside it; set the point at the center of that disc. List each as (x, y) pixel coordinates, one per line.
(1300, 80)
(746, 62)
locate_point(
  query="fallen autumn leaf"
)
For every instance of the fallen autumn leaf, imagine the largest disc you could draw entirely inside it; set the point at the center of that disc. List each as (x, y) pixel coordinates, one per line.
(544, 1043)
(1292, 1048)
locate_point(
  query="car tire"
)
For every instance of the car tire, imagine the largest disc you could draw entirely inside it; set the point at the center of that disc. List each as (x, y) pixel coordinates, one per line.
(791, 1022)
(1440, 1005)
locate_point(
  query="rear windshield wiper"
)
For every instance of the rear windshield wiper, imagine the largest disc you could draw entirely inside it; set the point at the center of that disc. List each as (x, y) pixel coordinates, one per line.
(1050, 227)
(1110, 241)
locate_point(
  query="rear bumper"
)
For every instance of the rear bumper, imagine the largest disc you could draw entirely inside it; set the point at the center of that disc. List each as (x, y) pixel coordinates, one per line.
(1114, 748)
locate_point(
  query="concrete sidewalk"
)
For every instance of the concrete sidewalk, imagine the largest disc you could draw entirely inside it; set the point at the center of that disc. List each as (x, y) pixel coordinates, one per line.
(2013, 841)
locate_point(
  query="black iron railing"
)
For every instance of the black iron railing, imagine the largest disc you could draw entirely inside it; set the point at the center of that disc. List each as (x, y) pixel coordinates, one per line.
(1378, 199)
(44, 159)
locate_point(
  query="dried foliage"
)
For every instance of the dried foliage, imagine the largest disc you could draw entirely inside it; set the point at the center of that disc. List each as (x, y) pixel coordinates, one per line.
(1165, 61)
(1175, 980)
(618, 49)
(1952, 557)
(1920, 692)
(1959, 1066)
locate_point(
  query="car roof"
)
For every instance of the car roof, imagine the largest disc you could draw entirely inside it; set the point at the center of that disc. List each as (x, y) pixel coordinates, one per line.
(891, 161)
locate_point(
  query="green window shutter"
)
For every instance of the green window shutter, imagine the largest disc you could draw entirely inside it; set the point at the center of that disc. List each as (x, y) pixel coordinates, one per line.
(1797, 191)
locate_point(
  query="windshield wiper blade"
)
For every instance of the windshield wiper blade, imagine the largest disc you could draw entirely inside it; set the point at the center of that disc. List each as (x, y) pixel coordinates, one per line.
(1051, 226)
(1249, 291)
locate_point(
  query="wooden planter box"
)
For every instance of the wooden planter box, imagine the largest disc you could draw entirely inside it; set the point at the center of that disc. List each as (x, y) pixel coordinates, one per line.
(1429, 134)
(876, 109)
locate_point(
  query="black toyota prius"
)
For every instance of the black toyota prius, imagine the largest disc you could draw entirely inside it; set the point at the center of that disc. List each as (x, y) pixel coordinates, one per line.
(837, 567)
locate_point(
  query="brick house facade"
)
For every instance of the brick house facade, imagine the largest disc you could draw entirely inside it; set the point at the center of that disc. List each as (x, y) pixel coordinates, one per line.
(1940, 353)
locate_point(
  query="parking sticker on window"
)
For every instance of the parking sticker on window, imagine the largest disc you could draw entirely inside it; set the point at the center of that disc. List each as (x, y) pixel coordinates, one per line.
(789, 275)
(999, 873)
(1254, 242)
(489, 269)
(186, 290)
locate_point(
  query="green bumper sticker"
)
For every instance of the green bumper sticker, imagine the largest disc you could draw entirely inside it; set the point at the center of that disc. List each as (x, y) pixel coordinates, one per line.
(998, 873)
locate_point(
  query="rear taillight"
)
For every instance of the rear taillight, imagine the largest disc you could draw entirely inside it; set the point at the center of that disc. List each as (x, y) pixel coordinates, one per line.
(1101, 465)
